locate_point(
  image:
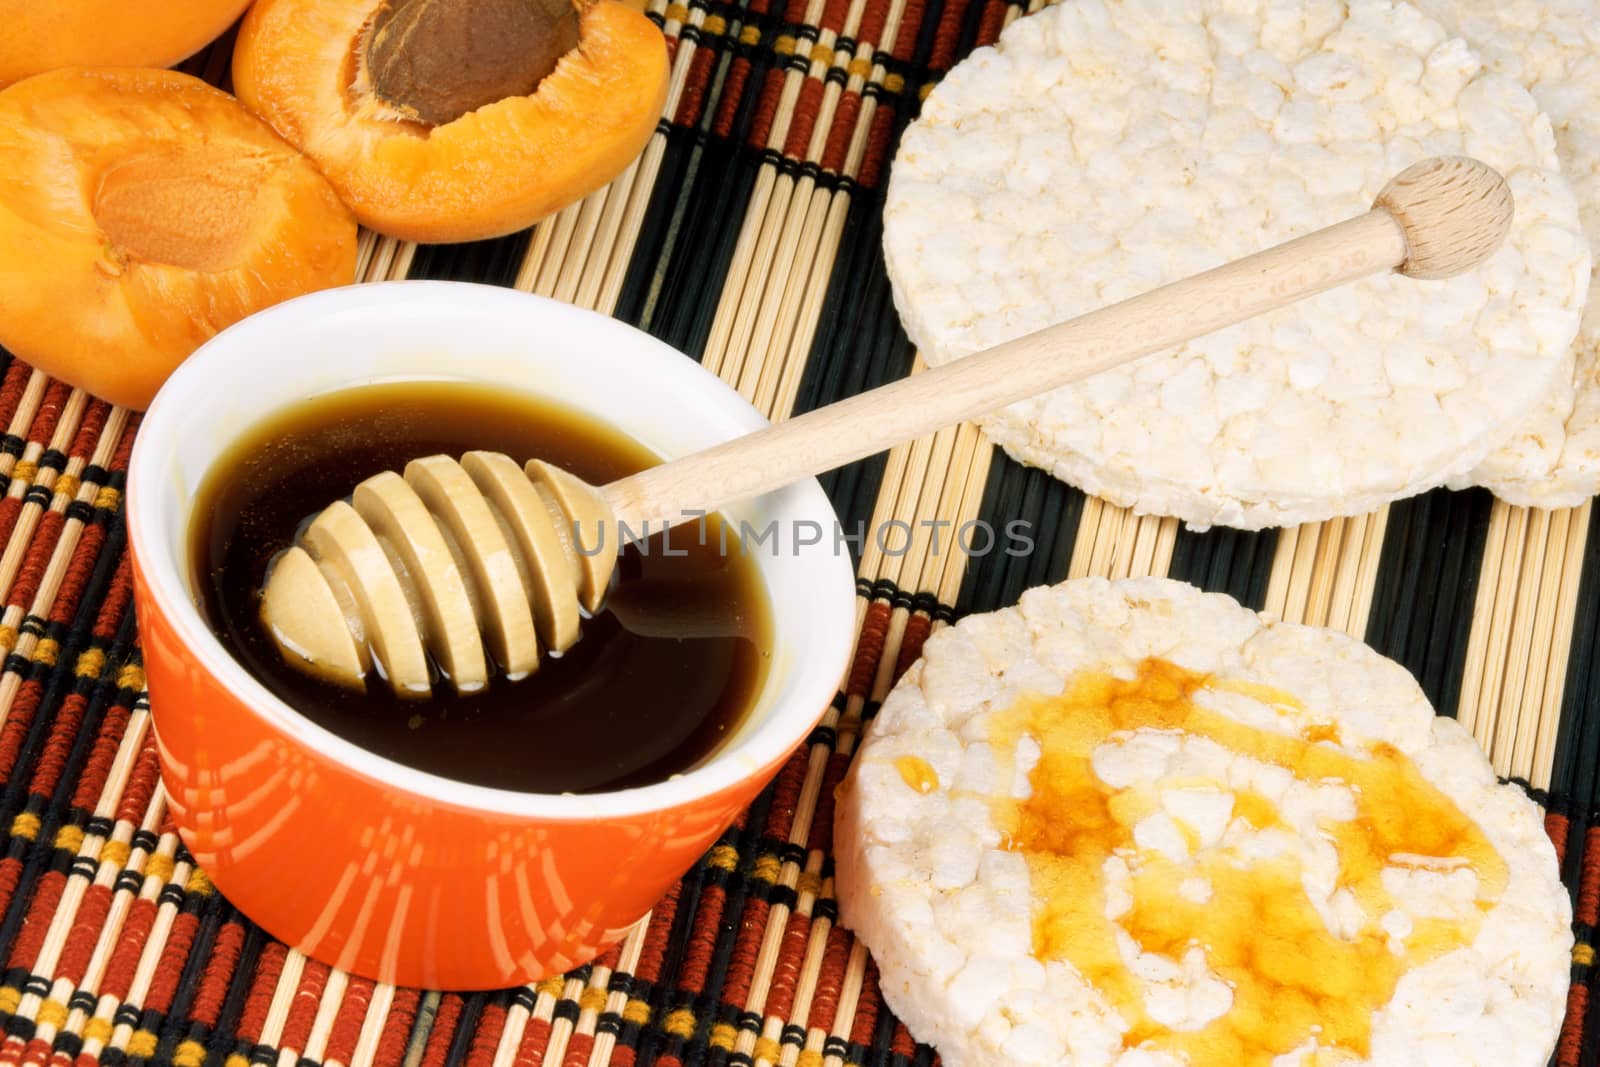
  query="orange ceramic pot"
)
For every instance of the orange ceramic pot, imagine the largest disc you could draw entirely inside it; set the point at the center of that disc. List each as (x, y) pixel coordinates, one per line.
(374, 867)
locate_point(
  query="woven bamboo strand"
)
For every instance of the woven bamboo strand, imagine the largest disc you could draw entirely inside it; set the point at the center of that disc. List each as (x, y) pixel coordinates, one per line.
(12, 465)
(590, 996)
(1324, 573)
(806, 988)
(327, 1007)
(67, 541)
(516, 1026)
(109, 871)
(973, 454)
(147, 863)
(1521, 635)
(1111, 540)
(807, 289)
(422, 1029)
(1556, 666)
(22, 419)
(64, 918)
(1083, 545)
(1472, 684)
(558, 231)
(614, 213)
(561, 1028)
(610, 286)
(794, 228)
(62, 925)
(25, 475)
(282, 1000)
(771, 1027)
(1366, 574)
(24, 644)
(778, 915)
(1508, 710)
(855, 974)
(914, 570)
(123, 1033)
(1291, 572)
(897, 496)
(826, 216)
(372, 1024)
(800, 225)
(1485, 671)
(753, 257)
(1540, 601)
(616, 1001)
(745, 247)
(583, 242)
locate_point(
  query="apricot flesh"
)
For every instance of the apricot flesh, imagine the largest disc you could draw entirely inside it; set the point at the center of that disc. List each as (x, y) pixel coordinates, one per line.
(142, 211)
(304, 67)
(41, 35)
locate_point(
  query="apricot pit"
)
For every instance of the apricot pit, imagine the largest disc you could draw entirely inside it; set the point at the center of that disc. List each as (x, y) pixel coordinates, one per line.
(455, 120)
(142, 211)
(436, 60)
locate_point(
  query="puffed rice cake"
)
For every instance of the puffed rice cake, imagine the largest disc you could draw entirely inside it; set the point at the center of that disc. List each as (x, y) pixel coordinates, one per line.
(1131, 824)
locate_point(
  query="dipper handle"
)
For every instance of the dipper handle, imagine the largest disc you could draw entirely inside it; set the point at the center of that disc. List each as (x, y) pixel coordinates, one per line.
(469, 569)
(1437, 218)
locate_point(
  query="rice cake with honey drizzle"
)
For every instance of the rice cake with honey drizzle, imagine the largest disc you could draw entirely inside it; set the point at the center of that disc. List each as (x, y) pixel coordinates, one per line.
(1104, 147)
(1553, 47)
(1131, 824)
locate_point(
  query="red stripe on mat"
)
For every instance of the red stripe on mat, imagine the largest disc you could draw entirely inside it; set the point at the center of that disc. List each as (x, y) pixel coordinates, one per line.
(486, 1036)
(226, 947)
(397, 1029)
(444, 1026)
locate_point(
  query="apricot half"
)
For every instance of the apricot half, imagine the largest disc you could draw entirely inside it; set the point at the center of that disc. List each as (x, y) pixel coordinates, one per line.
(454, 120)
(141, 211)
(42, 35)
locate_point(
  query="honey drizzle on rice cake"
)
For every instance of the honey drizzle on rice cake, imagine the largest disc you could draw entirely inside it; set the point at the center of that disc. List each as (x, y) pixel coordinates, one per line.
(1105, 147)
(1136, 825)
(1553, 47)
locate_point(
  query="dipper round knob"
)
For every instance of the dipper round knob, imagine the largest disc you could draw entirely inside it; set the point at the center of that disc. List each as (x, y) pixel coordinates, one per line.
(1455, 213)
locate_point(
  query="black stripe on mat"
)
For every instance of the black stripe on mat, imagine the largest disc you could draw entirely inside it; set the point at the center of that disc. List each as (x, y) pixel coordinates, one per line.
(681, 258)
(461, 1038)
(1427, 580)
(492, 262)
(1220, 560)
(680, 264)
(1575, 777)
(1032, 503)
(1591, 1027)
(1577, 756)
(701, 196)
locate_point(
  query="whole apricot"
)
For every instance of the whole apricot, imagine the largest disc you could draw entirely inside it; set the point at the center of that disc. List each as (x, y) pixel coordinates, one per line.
(455, 120)
(141, 211)
(43, 35)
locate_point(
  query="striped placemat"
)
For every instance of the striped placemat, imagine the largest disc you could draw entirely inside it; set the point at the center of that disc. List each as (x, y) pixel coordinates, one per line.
(747, 235)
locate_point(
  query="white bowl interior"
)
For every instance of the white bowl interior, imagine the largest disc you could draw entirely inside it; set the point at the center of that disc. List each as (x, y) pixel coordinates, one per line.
(452, 331)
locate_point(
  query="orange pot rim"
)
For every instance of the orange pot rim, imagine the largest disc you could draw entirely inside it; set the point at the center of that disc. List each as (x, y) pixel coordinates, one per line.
(798, 688)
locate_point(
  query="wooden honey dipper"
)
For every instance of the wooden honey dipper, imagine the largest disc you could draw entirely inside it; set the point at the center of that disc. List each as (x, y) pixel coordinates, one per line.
(478, 560)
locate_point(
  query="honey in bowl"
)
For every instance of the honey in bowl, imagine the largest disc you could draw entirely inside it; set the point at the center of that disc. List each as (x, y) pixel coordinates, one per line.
(661, 676)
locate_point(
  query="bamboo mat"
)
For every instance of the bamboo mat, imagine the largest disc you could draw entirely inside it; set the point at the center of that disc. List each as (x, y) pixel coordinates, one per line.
(747, 235)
